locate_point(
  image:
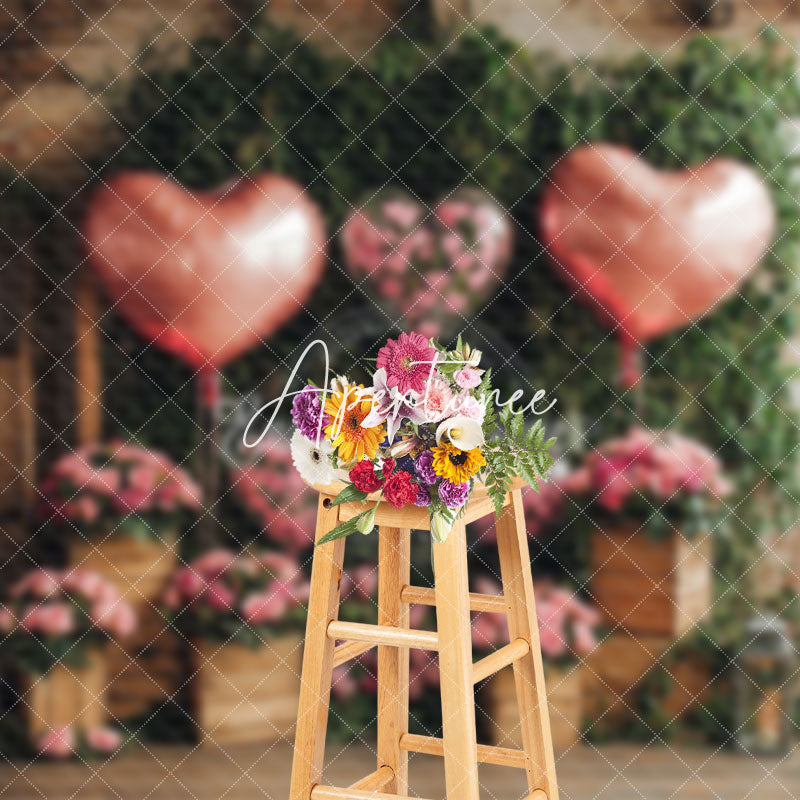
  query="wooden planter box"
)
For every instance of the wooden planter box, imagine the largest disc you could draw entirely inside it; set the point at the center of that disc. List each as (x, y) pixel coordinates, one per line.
(138, 568)
(564, 696)
(244, 695)
(615, 670)
(655, 587)
(65, 695)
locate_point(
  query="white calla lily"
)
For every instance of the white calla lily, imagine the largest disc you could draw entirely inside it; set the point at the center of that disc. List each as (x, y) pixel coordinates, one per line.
(463, 432)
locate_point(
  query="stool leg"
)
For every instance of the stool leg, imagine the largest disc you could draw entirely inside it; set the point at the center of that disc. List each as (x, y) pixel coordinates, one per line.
(394, 572)
(315, 684)
(455, 666)
(515, 569)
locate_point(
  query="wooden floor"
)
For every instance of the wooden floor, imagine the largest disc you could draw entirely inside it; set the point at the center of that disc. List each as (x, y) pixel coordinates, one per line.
(254, 773)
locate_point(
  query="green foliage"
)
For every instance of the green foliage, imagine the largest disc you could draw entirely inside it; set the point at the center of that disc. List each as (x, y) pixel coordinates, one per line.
(516, 451)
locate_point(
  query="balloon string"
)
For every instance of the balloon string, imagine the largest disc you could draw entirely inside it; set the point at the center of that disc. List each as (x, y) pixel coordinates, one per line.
(209, 397)
(630, 361)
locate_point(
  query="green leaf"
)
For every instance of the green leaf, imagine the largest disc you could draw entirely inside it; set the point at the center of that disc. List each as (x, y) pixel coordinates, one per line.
(348, 495)
(344, 529)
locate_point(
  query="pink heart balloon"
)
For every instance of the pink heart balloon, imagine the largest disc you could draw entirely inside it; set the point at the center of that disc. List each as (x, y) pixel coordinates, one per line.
(429, 268)
(205, 275)
(652, 249)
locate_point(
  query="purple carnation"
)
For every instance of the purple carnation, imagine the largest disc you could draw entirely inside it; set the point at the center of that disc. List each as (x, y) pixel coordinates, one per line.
(423, 496)
(454, 495)
(423, 466)
(306, 412)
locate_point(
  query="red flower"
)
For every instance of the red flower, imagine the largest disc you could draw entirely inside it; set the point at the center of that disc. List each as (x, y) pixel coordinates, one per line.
(388, 467)
(364, 478)
(399, 489)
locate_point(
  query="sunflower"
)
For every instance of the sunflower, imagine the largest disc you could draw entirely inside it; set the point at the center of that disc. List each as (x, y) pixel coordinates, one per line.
(347, 409)
(456, 466)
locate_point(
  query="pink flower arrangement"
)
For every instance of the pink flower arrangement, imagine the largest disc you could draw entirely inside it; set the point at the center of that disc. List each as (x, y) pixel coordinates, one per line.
(652, 475)
(276, 496)
(51, 612)
(104, 488)
(224, 595)
(567, 624)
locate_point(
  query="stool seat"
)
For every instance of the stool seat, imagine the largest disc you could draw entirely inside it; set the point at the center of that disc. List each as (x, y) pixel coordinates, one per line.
(331, 642)
(478, 506)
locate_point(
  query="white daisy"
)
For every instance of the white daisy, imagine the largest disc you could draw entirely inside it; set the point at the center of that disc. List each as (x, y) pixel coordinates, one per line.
(312, 462)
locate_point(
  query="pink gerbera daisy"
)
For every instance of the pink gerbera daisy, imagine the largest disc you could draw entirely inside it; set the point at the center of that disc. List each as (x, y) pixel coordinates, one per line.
(408, 362)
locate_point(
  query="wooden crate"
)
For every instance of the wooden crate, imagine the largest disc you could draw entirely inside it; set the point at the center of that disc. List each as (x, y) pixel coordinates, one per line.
(147, 668)
(655, 587)
(138, 568)
(65, 695)
(615, 670)
(564, 695)
(245, 695)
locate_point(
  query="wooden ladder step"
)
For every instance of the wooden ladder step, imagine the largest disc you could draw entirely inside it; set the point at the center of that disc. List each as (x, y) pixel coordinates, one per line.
(383, 635)
(320, 792)
(487, 754)
(420, 596)
(502, 657)
(375, 781)
(349, 650)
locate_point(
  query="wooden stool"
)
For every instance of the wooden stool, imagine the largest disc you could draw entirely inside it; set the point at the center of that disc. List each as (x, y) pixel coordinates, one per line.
(453, 641)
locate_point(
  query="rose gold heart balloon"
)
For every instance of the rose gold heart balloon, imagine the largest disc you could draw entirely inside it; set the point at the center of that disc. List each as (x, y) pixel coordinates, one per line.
(654, 250)
(205, 275)
(429, 268)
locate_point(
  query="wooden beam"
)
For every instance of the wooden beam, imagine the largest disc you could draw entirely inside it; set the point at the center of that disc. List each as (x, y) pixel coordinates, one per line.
(419, 595)
(487, 754)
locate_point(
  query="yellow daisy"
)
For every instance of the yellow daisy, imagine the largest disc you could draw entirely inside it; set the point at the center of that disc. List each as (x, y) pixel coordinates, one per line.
(457, 466)
(347, 409)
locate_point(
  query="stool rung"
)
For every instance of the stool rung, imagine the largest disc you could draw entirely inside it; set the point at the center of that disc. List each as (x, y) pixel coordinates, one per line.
(500, 658)
(320, 792)
(537, 794)
(383, 635)
(487, 754)
(348, 650)
(418, 595)
(375, 781)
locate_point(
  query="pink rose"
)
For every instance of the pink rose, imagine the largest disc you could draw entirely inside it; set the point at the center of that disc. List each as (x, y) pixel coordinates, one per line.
(122, 621)
(84, 582)
(268, 606)
(51, 619)
(189, 583)
(214, 562)
(104, 739)
(467, 377)
(584, 640)
(58, 743)
(219, 596)
(40, 583)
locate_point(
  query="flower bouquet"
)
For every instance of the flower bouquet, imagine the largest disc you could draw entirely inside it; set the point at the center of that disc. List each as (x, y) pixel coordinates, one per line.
(118, 488)
(55, 616)
(424, 433)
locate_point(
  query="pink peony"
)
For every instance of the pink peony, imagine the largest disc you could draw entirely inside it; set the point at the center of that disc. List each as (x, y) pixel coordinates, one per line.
(104, 739)
(467, 378)
(58, 743)
(408, 362)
